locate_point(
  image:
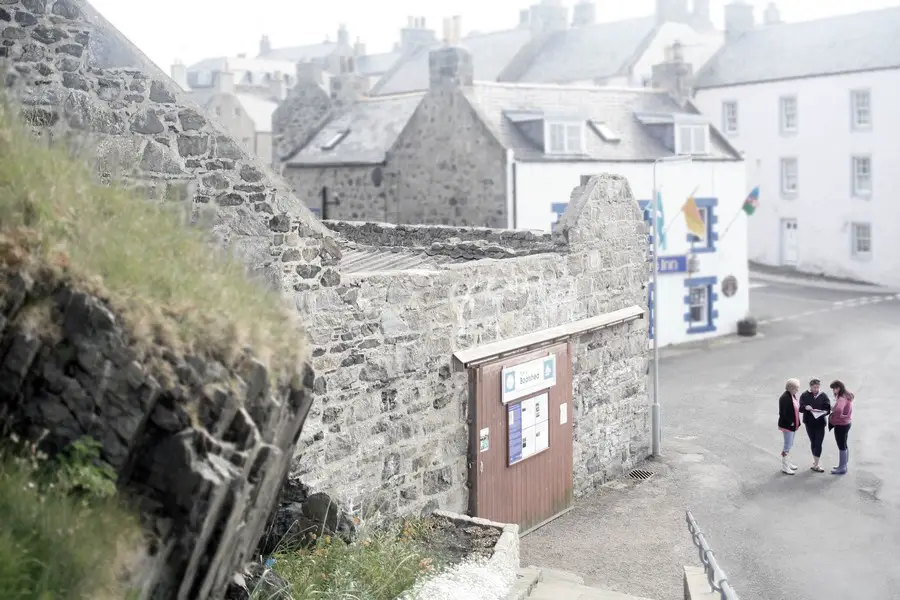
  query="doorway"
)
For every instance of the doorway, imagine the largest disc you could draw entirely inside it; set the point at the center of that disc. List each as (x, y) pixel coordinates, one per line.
(790, 243)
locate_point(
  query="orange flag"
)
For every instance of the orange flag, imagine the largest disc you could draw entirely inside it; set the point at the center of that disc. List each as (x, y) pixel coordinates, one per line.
(693, 217)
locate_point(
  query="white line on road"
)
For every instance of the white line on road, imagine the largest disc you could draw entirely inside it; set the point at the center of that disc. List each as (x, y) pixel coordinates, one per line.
(755, 286)
(837, 305)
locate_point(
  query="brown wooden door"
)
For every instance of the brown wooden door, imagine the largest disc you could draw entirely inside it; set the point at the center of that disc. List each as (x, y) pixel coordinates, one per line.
(534, 489)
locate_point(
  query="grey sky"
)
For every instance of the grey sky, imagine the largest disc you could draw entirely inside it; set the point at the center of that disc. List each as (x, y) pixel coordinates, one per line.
(190, 30)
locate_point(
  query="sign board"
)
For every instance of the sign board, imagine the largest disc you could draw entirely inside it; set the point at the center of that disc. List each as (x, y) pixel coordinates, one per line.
(671, 264)
(484, 439)
(529, 427)
(527, 378)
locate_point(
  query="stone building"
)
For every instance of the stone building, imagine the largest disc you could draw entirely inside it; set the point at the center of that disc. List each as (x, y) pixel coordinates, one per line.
(401, 319)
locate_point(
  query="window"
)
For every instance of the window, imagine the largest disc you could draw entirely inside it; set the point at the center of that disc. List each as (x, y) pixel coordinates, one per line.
(861, 109)
(706, 243)
(862, 176)
(606, 133)
(691, 139)
(565, 138)
(788, 112)
(700, 300)
(862, 239)
(699, 305)
(335, 139)
(789, 176)
(730, 117)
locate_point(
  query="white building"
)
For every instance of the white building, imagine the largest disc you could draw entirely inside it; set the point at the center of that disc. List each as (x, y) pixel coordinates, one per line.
(815, 106)
(703, 283)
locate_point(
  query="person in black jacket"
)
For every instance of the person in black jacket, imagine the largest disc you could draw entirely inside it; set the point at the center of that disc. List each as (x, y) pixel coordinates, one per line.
(810, 400)
(789, 422)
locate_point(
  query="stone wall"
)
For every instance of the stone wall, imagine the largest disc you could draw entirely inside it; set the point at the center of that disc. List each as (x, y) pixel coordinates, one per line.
(388, 429)
(141, 128)
(355, 193)
(204, 455)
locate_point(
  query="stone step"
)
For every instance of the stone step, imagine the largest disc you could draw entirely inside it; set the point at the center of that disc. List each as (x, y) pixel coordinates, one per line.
(554, 584)
(526, 580)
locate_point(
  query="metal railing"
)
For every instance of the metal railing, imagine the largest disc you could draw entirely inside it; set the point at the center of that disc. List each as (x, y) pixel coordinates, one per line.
(718, 581)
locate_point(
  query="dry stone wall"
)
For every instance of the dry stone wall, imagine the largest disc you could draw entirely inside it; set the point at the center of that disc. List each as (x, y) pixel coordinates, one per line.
(388, 429)
(139, 127)
(202, 448)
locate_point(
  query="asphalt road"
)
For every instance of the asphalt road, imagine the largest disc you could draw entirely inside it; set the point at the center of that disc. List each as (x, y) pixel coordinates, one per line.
(805, 537)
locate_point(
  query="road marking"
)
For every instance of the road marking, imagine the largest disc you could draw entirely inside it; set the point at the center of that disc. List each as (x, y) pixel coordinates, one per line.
(755, 286)
(837, 305)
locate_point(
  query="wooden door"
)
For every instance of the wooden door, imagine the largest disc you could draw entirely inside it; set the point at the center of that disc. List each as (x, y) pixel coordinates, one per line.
(514, 478)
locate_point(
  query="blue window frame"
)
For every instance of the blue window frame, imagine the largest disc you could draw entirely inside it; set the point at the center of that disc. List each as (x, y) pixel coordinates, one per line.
(707, 208)
(700, 301)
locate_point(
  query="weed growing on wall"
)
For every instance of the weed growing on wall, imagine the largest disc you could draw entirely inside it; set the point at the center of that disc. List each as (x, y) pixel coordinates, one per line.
(63, 532)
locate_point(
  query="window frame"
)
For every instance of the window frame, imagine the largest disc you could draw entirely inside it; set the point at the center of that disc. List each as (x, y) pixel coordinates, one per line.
(567, 128)
(693, 127)
(710, 314)
(726, 118)
(782, 114)
(704, 319)
(855, 162)
(855, 240)
(783, 162)
(855, 109)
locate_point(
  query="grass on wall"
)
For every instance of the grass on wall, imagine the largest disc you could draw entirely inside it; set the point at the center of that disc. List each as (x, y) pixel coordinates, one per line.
(162, 277)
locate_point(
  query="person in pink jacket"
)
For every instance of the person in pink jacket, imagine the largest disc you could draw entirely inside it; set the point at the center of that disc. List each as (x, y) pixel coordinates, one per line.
(841, 416)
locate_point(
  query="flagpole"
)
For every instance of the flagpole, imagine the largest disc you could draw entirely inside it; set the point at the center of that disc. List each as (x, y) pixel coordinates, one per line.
(680, 211)
(724, 233)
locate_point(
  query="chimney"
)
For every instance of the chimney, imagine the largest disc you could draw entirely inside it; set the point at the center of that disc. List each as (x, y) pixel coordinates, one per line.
(548, 16)
(277, 87)
(415, 34)
(348, 86)
(265, 45)
(524, 19)
(457, 29)
(311, 72)
(738, 19)
(225, 80)
(179, 74)
(674, 75)
(450, 67)
(584, 13)
(359, 49)
(773, 15)
(702, 15)
(672, 11)
(343, 38)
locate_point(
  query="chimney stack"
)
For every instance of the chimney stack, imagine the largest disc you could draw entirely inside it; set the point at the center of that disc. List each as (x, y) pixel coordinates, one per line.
(584, 13)
(349, 86)
(265, 45)
(738, 19)
(343, 38)
(524, 19)
(416, 34)
(359, 48)
(548, 16)
(311, 72)
(178, 72)
(225, 80)
(450, 67)
(773, 15)
(674, 75)
(672, 11)
(702, 17)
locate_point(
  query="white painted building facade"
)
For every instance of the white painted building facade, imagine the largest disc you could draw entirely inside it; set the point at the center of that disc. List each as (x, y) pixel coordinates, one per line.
(823, 145)
(692, 306)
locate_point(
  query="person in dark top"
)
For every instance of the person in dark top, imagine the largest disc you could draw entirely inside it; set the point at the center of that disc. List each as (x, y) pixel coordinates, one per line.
(789, 422)
(810, 400)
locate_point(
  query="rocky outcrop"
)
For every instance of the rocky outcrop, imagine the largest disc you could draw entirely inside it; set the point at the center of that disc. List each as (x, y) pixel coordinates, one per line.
(200, 447)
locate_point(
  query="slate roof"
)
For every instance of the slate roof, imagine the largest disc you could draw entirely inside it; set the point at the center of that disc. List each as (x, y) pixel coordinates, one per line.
(592, 51)
(491, 53)
(377, 64)
(858, 42)
(615, 107)
(374, 124)
(247, 71)
(296, 54)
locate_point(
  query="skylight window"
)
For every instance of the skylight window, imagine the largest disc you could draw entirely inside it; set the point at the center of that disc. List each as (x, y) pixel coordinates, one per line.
(605, 132)
(335, 139)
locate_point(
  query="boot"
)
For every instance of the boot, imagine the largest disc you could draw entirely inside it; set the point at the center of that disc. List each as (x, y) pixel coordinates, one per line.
(841, 469)
(786, 465)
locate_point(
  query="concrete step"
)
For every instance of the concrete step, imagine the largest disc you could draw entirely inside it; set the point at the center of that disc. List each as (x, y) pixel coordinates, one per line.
(526, 580)
(554, 584)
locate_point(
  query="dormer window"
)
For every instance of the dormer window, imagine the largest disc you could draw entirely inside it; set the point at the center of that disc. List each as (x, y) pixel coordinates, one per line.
(691, 139)
(564, 137)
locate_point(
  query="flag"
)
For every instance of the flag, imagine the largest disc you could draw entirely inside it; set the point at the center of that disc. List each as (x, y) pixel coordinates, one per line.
(694, 218)
(660, 222)
(751, 202)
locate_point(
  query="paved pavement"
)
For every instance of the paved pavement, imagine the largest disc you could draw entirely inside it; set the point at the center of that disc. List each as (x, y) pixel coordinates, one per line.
(807, 537)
